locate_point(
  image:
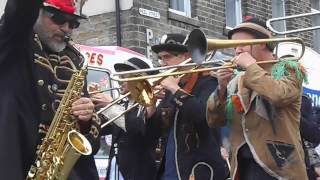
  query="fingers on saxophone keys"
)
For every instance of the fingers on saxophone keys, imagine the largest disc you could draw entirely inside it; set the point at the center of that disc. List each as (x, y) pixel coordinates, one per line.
(81, 101)
(82, 109)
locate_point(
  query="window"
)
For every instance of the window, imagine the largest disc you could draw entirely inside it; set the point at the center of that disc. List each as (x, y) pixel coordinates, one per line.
(233, 13)
(181, 7)
(315, 7)
(278, 10)
(99, 80)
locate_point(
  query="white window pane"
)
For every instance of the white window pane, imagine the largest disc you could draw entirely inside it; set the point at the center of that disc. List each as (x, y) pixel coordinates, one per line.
(181, 7)
(233, 13)
(315, 4)
(177, 5)
(278, 11)
(315, 7)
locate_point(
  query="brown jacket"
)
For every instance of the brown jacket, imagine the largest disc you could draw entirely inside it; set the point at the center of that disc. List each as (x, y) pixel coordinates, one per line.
(273, 140)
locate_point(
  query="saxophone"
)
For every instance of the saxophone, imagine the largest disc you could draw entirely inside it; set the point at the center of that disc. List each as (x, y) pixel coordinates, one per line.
(63, 145)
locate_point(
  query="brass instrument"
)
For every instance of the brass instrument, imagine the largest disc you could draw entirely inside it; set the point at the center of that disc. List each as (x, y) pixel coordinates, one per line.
(270, 21)
(62, 145)
(141, 91)
(199, 46)
(101, 91)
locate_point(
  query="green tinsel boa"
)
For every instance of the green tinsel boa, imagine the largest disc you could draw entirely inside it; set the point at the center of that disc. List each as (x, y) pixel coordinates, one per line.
(282, 68)
(279, 70)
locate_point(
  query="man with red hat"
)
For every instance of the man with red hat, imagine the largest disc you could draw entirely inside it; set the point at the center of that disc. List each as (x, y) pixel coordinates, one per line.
(261, 105)
(36, 65)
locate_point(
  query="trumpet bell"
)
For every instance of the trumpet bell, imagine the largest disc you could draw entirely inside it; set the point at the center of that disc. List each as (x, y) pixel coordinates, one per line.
(142, 92)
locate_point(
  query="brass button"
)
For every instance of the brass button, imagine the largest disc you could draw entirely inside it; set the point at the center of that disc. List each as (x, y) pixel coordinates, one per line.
(40, 82)
(44, 107)
(54, 87)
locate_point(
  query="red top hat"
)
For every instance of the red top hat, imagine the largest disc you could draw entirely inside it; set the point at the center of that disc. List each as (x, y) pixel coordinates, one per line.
(66, 6)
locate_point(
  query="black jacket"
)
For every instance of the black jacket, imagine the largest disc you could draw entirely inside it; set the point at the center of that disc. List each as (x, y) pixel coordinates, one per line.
(308, 126)
(135, 150)
(26, 97)
(310, 131)
(196, 143)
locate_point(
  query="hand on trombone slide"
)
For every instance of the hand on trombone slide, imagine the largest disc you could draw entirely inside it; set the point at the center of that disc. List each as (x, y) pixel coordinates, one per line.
(160, 92)
(101, 100)
(171, 83)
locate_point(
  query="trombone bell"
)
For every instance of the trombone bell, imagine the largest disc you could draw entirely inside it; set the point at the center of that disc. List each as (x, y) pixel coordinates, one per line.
(141, 91)
(198, 45)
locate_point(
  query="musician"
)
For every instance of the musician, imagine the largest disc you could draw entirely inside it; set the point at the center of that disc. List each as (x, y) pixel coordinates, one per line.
(262, 107)
(132, 154)
(309, 130)
(191, 149)
(35, 68)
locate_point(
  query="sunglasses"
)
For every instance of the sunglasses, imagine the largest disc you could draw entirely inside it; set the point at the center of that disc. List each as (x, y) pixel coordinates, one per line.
(60, 19)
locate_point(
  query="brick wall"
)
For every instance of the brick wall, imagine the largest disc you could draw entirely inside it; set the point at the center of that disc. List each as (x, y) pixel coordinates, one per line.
(261, 9)
(209, 15)
(294, 7)
(101, 29)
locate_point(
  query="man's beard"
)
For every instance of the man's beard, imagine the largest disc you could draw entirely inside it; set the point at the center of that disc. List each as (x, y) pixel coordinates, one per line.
(45, 38)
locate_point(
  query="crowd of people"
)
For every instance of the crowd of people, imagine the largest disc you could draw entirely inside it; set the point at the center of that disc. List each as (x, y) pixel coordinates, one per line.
(273, 126)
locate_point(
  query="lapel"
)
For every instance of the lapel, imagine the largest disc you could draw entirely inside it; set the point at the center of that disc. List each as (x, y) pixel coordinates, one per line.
(254, 94)
(243, 94)
(252, 98)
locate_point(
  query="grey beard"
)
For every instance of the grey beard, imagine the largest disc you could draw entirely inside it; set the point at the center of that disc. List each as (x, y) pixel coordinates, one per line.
(45, 36)
(53, 46)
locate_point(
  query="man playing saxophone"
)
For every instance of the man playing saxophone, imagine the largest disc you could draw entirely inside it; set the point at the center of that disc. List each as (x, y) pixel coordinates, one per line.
(36, 66)
(261, 105)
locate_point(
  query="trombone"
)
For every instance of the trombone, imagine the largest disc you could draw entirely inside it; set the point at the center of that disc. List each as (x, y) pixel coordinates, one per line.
(101, 91)
(198, 45)
(269, 23)
(140, 91)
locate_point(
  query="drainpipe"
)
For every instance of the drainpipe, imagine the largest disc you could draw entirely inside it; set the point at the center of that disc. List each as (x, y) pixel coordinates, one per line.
(284, 14)
(118, 23)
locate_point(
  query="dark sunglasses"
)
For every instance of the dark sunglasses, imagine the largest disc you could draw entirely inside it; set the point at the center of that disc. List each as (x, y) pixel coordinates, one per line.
(60, 19)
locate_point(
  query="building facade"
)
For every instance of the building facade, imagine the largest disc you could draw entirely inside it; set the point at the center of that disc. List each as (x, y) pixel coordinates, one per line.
(143, 22)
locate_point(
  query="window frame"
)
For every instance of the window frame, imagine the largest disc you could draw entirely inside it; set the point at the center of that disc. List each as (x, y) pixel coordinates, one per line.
(237, 16)
(281, 14)
(187, 8)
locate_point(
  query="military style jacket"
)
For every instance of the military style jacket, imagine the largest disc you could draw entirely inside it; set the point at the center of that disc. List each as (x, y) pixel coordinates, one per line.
(197, 147)
(32, 85)
(132, 147)
(53, 73)
(269, 122)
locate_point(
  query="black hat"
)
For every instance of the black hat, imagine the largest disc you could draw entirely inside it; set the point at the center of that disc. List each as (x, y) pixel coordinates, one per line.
(253, 26)
(171, 42)
(132, 64)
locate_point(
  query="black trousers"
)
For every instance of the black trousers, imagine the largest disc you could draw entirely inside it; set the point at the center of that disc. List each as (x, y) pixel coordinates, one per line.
(248, 168)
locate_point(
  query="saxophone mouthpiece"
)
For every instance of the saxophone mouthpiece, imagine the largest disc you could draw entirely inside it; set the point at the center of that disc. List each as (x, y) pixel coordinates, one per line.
(67, 39)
